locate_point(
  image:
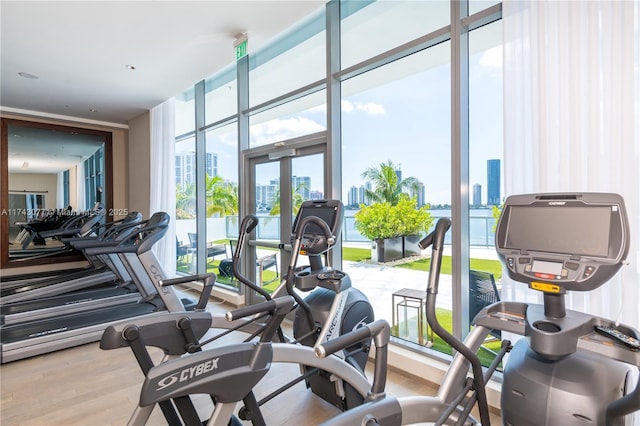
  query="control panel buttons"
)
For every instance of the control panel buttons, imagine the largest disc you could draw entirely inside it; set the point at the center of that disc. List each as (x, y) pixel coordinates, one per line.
(588, 271)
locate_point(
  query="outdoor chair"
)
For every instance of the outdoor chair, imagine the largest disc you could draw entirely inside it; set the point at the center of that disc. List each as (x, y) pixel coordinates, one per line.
(263, 263)
(482, 293)
(213, 250)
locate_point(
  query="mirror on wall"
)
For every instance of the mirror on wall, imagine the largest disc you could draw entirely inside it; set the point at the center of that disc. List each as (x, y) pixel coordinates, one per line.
(50, 174)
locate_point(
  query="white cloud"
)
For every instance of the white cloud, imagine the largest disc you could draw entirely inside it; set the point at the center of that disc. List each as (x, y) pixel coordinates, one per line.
(279, 130)
(370, 108)
(346, 106)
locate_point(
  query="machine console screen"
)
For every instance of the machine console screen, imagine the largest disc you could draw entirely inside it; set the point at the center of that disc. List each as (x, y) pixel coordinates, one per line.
(575, 241)
(330, 211)
(552, 268)
(582, 231)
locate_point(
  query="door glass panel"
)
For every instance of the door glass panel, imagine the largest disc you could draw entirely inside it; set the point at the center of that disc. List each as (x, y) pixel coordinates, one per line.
(305, 181)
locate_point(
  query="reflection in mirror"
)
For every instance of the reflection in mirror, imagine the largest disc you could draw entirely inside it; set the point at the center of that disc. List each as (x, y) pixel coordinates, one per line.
(54, 174)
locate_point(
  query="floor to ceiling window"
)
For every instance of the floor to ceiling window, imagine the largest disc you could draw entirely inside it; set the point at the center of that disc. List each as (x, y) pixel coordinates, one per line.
(221, 191)
(398, 116)
(486, 177)
(186, 212)
(394, 65)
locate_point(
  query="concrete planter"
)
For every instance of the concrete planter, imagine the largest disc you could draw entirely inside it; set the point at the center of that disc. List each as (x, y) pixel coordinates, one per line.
(386, 250)
(410, 245)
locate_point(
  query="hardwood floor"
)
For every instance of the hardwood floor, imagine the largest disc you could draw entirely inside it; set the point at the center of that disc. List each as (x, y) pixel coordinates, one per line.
(89, 386)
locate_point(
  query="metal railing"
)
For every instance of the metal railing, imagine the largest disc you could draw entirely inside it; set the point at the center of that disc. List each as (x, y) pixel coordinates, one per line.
(481, 229)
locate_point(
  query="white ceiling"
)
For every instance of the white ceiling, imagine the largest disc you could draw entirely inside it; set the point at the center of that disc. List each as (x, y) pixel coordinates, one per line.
(35, 150)
(79, 50)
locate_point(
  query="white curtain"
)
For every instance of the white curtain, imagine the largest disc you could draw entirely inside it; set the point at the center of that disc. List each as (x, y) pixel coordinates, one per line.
(572, 119)
(163, 182)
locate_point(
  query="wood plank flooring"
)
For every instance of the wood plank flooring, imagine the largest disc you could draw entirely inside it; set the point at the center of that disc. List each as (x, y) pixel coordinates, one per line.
(89, 386)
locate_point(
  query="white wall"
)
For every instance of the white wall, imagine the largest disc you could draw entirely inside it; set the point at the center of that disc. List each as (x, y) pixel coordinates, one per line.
(36, 182)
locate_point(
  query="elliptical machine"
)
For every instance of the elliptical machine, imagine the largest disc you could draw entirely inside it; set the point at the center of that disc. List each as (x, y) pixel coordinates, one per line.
(332, 308)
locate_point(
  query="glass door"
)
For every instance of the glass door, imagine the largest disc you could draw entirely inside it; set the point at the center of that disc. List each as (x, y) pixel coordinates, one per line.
(282, 176)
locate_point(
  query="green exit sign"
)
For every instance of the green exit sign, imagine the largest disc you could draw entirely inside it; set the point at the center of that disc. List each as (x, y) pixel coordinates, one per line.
(241, 50)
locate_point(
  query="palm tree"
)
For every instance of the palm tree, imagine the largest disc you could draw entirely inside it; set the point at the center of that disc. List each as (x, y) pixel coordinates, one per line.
(296, 200)
(186, 201)
(222, 197)
(387, 188)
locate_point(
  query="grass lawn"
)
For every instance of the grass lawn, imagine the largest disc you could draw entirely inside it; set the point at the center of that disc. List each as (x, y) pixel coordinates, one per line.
(354, 254)
(444, 317)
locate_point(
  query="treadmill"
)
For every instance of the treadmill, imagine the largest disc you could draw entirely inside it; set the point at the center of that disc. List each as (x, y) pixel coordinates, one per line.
(98, 274)
(81, 300)
(17, 280)
(79, 224)
(32, 338)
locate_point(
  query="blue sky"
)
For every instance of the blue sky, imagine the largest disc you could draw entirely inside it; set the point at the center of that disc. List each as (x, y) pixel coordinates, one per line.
(404, 119)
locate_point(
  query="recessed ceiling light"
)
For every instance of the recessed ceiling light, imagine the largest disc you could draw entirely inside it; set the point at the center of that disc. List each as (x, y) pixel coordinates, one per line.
(27, 75)
(130, 67)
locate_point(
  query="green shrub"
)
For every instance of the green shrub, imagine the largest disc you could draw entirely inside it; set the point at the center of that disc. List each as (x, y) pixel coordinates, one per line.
(382, 220)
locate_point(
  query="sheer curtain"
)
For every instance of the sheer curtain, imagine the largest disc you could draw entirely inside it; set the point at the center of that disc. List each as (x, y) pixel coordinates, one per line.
(572, 119)
(163, 181)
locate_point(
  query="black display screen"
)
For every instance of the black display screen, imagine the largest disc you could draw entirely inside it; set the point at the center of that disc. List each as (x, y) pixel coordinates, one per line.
(569, 230)
(325, 212)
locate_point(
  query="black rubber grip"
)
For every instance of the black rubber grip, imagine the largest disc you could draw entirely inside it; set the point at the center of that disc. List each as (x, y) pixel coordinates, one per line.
(186, 279)
(334, 345)
(268, 306)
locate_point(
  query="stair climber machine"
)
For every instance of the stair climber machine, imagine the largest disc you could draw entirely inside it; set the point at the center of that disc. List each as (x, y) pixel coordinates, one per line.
(458, 393)
(573, 368)
(332, 307)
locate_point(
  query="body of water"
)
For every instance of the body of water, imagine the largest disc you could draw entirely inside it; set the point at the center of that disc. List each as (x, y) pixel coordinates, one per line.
(481, 225)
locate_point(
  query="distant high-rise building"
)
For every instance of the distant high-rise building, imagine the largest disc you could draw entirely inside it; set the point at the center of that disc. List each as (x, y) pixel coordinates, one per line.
(186, 167)
(367, 187)
(353, 196)
(317, 195)
(265, 195)
(420, 195)
(477, 194)
(493, 182)
(302, 185)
